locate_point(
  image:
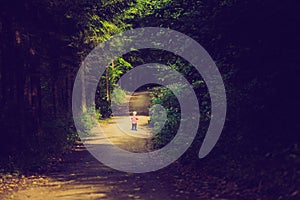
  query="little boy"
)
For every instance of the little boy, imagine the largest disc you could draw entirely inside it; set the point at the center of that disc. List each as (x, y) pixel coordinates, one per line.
(134, 120)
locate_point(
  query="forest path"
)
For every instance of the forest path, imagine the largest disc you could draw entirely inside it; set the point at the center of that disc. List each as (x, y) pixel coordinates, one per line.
(80, 176)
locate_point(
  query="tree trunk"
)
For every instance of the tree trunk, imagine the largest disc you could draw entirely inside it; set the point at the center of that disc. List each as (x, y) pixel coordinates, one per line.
(83, 92)
(54, 93)
(36, 106)
(20, 87)
(107, 84)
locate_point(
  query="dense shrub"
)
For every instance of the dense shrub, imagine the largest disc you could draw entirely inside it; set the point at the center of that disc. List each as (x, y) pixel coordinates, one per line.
(88, 120)
(118, 96)
(166, 98)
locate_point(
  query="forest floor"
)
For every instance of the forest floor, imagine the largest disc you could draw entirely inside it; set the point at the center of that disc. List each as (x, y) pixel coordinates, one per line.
(80, 176)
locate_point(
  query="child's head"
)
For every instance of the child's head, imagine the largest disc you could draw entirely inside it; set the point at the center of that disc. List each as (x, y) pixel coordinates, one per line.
(134, 112)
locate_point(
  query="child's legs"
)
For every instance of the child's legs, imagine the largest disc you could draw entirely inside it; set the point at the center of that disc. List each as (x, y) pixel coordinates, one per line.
(133, 126)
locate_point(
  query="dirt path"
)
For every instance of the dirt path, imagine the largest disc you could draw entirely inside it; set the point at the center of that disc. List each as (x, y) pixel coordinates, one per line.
(80, 176)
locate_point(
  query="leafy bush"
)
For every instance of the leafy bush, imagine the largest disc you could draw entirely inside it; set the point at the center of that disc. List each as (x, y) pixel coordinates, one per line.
(166, 98)
(118, 96)
(88, 120)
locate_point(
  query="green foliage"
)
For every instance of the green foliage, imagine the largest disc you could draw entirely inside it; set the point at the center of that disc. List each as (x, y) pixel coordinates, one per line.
(142, 8)
(118, 96)
(166, 98)
(98, 114)
(121, 66)
(88, 120)
(104, 121)
(157, 118)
